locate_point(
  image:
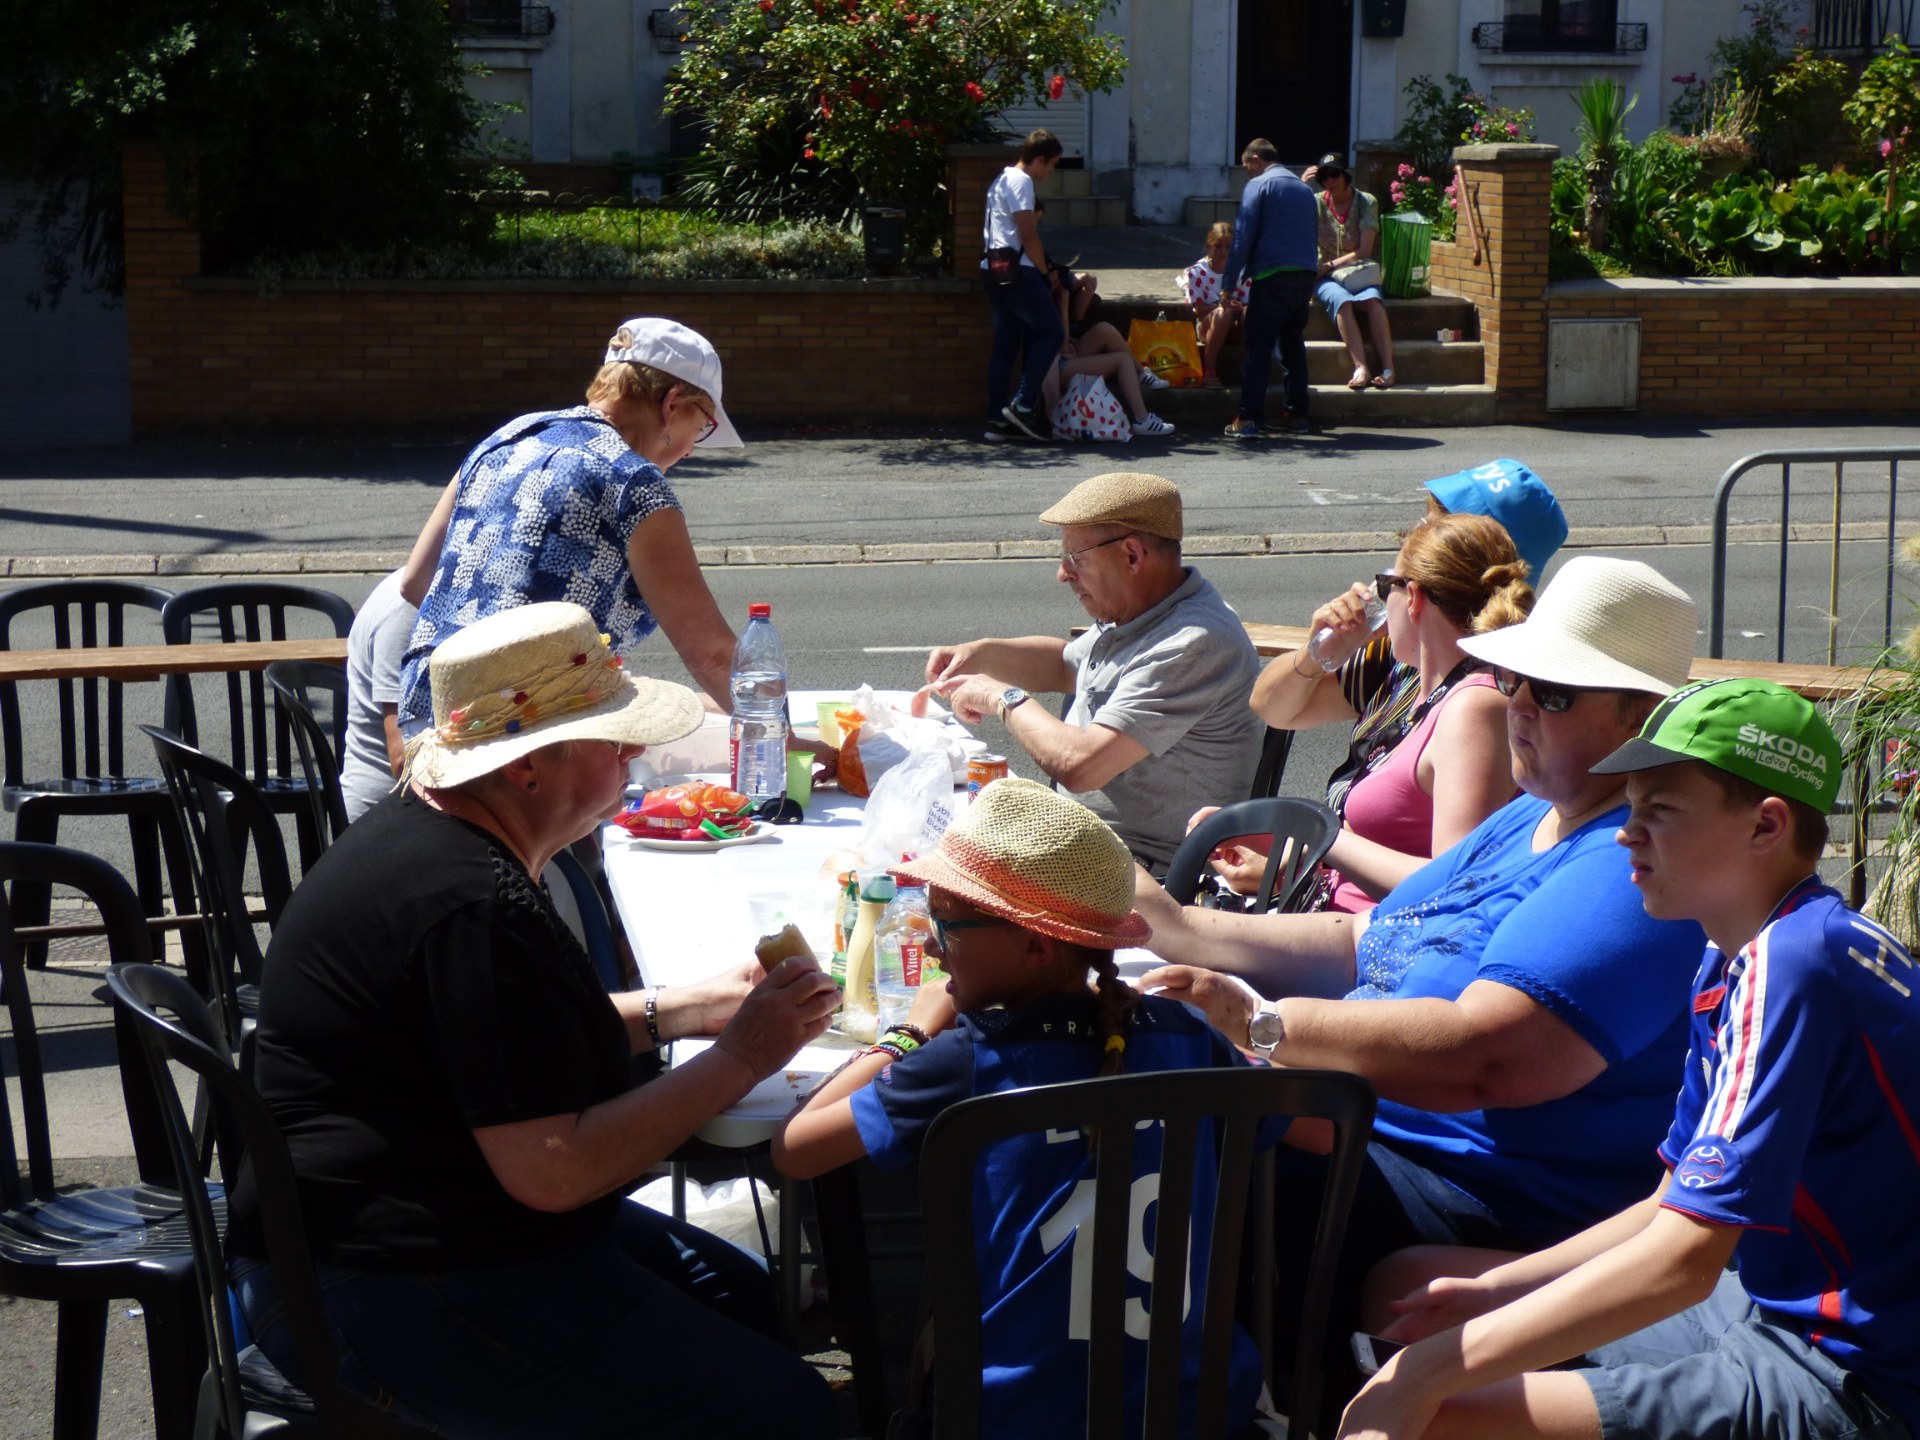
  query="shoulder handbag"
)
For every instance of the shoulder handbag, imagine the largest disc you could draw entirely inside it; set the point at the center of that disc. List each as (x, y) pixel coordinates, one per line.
(1002, 262)
(1361, 275)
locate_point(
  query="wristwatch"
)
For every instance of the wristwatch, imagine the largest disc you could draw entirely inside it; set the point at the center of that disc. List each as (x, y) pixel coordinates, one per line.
(1010, 697)
(1265, 1029)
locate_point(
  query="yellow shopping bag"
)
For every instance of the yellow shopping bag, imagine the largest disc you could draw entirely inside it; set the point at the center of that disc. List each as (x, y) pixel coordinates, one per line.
(1167, 348)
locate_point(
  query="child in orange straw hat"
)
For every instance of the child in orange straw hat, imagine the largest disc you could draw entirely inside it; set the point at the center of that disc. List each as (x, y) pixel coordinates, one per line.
(1030, 895)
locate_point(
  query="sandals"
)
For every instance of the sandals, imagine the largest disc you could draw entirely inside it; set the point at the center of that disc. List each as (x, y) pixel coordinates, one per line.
(1384, 380)
(1361, 380)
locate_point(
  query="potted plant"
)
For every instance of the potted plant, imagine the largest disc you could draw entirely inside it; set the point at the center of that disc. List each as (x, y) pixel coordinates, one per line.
(1723, 137)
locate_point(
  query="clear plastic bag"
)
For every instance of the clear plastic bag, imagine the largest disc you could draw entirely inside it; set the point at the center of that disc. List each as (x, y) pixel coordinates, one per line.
(910, 808)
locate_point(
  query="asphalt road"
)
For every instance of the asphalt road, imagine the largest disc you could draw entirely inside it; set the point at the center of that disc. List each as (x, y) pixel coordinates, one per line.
(212, 498)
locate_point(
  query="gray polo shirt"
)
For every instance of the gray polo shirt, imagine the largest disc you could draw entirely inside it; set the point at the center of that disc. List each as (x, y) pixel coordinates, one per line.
(1177, 681)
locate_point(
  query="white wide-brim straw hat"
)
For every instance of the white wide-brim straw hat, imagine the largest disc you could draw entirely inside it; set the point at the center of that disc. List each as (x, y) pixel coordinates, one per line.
(1603, 623)
(685, 354)
(1030, 855)
(530, 677)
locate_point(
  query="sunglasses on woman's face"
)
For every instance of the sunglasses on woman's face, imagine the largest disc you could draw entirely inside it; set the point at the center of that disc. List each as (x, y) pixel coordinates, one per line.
(1386, 582)
(1554, 699)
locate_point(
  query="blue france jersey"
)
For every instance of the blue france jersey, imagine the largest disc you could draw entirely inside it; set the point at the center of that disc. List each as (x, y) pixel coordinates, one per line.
(544, 511)
(1800, 1117)
(1034, 1193)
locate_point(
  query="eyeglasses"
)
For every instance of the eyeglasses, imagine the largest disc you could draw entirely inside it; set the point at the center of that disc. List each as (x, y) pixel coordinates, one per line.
(1386, 582)
(943, 929)
(1070, 559)
(1554, 699)
(712, 423)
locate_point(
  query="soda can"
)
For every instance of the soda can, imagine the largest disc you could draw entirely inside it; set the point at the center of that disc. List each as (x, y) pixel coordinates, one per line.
(984, 769)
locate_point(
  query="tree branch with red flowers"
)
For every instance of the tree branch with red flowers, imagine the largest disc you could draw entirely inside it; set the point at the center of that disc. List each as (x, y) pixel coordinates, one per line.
(875, 92)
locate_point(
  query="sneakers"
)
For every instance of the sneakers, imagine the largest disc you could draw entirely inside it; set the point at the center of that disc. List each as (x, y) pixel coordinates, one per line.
(1152, 425)
(1030, 423)
(1287, 423)
(1151, 381)
(1242, 430)
(999, 428)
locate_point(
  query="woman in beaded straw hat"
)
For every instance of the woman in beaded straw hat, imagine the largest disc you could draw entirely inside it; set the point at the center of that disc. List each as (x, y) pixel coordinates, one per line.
(1030, 895)
(456, 1085)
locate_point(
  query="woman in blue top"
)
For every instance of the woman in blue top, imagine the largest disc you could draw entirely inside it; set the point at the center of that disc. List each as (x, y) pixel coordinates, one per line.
(574, 505)
(1030, 893)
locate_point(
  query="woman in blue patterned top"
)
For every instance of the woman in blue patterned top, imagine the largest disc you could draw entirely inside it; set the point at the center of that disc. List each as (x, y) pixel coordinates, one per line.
(574, 505)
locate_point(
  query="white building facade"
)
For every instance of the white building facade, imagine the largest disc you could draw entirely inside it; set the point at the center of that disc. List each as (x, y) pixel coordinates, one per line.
(586, 77)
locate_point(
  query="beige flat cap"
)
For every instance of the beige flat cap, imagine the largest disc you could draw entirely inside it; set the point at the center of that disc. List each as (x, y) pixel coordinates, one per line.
(1133, 498)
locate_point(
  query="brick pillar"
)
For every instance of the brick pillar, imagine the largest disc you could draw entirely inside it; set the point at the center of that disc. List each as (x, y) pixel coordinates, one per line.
(1508, 189)
(162, 253)
(970, 170)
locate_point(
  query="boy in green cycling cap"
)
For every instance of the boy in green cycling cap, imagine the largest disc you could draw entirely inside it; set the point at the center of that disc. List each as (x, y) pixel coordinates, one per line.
(1794, 1153)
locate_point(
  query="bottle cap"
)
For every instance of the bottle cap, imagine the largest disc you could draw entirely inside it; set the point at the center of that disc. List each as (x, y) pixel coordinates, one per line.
(761, 611)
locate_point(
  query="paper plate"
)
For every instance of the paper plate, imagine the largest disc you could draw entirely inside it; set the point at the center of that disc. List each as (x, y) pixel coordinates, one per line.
(760, 831)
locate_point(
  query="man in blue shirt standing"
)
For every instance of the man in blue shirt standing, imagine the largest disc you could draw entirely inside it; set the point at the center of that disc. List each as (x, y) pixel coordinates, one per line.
(1276, 244)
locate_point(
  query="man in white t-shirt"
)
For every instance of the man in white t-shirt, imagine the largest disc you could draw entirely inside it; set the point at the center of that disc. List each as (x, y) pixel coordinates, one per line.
(1025, 311)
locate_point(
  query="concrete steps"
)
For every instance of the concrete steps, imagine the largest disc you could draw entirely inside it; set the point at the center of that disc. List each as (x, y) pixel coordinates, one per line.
(1070, 201)
(1436, 383)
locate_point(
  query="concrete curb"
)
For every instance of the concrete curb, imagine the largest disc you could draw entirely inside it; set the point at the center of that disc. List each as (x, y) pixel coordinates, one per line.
(1329, 542)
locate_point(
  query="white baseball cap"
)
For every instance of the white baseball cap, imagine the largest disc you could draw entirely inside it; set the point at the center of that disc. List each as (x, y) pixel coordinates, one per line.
(685, 354)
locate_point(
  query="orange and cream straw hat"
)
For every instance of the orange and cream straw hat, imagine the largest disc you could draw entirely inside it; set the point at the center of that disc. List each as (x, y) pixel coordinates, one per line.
(1027, 854)
(530, 677)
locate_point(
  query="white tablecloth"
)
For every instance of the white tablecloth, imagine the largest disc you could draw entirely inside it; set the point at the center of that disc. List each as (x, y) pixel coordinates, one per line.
(691, 915)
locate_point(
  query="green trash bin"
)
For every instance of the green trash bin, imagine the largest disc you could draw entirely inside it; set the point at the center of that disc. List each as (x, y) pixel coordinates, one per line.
(1406, 254)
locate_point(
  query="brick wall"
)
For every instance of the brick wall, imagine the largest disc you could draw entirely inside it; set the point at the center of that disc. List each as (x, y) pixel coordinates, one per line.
(1506, 187)
(211, 352)
(1707, 346)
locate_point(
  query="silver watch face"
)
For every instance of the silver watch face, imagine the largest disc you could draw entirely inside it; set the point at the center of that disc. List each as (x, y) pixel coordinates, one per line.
(1265, 1029)
(1011, 696)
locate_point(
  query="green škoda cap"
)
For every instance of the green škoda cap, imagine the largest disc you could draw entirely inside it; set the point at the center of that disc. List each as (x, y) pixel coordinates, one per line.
(1755, 729)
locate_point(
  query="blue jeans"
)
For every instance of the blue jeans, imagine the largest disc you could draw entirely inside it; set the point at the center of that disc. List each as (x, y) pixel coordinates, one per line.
(1024, 314)
(1276, 312)
(657, 1329)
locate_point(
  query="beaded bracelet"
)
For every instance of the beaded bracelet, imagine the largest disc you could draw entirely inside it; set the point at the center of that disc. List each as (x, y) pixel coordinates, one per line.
(653, 1015)
(897, 1049)
(918, 1035)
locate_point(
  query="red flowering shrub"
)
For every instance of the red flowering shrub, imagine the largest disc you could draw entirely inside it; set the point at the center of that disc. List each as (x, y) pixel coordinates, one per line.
(882, 87)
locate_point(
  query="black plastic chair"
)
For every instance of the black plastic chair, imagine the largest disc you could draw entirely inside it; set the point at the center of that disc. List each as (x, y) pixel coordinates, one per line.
(315, 695)
(224, 818)
(92, 727)
(1236, 1102)
(260, 729)
(82, 1249)
(242, 1394)
(1301, 833)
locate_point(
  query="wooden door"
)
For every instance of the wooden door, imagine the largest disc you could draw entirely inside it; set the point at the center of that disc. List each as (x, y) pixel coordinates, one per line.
(1294, 81)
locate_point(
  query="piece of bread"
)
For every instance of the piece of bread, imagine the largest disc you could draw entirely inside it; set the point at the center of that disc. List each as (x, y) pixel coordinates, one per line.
(786, 942)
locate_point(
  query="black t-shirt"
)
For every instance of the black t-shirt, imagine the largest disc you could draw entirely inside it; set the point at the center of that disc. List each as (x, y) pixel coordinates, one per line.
(419, 985)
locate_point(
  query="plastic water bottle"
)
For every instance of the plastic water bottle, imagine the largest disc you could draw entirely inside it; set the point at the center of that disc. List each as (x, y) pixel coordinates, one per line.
(757, 739)
(1376, 616)
(900, 951)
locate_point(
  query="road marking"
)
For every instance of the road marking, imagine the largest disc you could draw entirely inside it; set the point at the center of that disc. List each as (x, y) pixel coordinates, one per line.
(896, 649)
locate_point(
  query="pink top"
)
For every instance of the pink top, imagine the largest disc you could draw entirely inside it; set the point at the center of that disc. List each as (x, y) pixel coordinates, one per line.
(1387, 805)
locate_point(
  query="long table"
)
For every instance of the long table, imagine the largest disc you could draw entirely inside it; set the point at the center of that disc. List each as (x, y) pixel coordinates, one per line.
(1815, 682)
(151, 662)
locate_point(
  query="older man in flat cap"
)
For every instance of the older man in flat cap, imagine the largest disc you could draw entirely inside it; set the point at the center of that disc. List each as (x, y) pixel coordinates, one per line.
(1159, 722)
